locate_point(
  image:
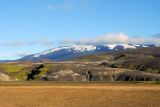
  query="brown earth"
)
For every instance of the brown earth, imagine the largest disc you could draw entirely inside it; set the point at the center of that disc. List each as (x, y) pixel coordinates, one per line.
(50, 94)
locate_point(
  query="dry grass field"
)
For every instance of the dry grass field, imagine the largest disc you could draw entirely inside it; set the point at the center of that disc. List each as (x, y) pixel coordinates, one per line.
(42, 94)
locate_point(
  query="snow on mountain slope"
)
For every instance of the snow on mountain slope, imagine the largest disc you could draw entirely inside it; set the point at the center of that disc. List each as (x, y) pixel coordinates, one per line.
(69, 52)
(83, 48)
(76, 48)
(50, 51)
(126, 46)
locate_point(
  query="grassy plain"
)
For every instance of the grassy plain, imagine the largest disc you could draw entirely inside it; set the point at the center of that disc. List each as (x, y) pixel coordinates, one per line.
(50, 94)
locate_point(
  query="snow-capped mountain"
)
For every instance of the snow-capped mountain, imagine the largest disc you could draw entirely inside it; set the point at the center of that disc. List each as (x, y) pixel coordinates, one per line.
(69, 52)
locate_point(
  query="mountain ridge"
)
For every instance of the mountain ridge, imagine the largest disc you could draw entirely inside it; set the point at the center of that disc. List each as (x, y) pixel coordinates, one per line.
(64, 53)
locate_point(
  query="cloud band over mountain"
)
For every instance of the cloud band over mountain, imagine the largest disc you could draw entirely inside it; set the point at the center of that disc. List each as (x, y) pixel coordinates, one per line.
(20, 43)
(115, 38)
(109, 38)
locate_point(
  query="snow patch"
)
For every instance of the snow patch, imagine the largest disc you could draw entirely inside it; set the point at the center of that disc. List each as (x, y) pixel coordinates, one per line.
(76, 48)
(126, 46)
(83, 48)
(50, 51)
(88, 48)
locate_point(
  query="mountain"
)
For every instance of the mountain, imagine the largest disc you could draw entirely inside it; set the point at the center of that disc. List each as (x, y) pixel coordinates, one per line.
(141, 59)
(70, 52)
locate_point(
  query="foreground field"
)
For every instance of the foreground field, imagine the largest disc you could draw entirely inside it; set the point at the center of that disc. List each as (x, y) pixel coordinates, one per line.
(23, 94)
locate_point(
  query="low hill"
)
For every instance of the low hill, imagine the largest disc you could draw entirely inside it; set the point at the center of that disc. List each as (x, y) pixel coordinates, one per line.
(142, 59)
(71, 71)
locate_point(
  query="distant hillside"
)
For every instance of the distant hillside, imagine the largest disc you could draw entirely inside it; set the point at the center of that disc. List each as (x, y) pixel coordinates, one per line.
(70, 52)
(143, 59)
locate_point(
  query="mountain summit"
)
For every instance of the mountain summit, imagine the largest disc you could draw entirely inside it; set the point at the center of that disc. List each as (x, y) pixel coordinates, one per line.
(68, 52)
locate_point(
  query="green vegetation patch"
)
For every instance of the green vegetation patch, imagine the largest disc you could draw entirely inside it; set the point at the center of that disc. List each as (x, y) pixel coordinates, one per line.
(11, 68)
(43, 71)
(22, 75)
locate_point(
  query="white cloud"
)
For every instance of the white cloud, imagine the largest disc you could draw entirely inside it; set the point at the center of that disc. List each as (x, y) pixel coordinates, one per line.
(108, 38)
(42, 42)
(13, 55)
(12, 43)
(68, 5)
(111, 38)
(62, 6)
(21, 54)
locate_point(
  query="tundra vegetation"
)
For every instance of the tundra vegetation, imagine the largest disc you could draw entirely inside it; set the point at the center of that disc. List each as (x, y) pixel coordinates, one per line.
(90, 81)
(131, 65)
(58, 94)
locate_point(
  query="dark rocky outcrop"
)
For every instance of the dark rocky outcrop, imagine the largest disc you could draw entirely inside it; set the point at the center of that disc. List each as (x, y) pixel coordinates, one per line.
(89, 76)
(137, 76)
(34, 72)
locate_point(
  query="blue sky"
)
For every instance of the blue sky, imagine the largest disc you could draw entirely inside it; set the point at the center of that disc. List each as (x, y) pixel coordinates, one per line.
(31, 26)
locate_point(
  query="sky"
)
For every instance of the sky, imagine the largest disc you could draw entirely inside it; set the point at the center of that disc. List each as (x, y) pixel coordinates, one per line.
(32, 26)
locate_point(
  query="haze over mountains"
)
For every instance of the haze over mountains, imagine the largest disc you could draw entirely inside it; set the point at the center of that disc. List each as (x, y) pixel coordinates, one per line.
(69, 52)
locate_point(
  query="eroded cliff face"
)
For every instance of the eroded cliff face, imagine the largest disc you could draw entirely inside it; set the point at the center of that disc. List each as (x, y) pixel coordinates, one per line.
(83, 72)
(63, 75)
(76, 72)
(86, 72)
(109, 74)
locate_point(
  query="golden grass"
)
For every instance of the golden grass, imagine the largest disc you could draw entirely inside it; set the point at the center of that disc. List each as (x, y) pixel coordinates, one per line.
(79, 95)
